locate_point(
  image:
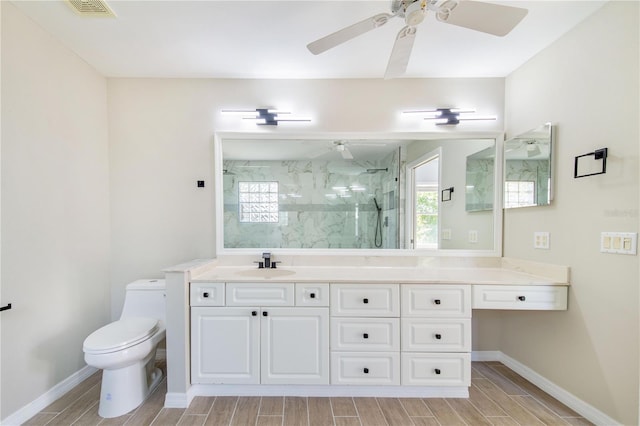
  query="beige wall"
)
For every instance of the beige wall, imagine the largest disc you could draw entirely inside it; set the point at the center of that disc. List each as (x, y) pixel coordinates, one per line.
(587, 85)
(161, 139)
(55, 210)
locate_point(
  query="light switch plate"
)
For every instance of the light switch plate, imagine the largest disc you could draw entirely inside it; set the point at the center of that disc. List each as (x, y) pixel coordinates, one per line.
(619, 242)
(541, 240)
(473, 237)
(446, 234)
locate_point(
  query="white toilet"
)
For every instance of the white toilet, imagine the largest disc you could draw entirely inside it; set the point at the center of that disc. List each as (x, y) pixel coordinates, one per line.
(126, 349)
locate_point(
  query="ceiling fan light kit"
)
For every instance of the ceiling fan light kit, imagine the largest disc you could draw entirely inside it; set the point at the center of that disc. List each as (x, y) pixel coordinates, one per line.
(264, 116)
(488, 18)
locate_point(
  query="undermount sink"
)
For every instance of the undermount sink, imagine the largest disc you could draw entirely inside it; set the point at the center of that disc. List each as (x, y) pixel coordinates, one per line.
(265, 272)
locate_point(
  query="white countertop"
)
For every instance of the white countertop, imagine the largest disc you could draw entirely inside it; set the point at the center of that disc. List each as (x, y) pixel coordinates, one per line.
(373, 274)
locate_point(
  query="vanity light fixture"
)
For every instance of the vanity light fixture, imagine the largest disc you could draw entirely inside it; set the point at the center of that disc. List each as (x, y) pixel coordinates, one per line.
(264, 116)
(449, 116)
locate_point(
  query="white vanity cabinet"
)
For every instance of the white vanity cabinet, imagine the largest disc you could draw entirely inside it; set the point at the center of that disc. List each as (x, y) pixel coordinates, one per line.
(365, 334)
(400, 339)
(436, 335)
(268, 341)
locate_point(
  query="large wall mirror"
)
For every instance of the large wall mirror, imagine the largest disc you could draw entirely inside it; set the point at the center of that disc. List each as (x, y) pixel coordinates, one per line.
(528, 177)
(355, 193)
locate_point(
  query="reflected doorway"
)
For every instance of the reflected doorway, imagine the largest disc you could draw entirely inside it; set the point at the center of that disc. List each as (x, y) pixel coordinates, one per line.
(423, 201)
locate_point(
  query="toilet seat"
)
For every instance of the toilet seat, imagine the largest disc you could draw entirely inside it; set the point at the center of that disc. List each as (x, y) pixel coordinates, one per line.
(120, 335)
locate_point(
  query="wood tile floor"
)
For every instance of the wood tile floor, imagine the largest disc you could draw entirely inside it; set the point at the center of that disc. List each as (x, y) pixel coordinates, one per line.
(497, 396)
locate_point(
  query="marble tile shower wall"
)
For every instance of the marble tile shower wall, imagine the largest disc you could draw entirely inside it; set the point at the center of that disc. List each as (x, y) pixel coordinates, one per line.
(321, 204)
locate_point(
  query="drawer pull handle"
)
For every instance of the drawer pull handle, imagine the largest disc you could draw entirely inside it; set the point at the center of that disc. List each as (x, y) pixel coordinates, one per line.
(366, 370)
(522, 298)
(365, 300)
(436, 301)
(254, 313)
(312, 295)
(437, 371)
(265, 314)
(205, 294)
(438, 336)
(365, 336)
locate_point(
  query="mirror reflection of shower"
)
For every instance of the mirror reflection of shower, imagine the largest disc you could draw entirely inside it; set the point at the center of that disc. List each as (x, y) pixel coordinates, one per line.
(323, 201)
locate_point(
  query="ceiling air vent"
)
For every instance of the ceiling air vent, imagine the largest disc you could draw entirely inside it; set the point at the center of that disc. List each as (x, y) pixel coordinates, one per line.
(91, 8)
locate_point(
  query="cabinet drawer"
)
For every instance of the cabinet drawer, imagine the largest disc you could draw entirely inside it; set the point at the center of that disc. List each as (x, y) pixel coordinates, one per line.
(436, 369)
(518, 297)
(375, 300)
(206, 294)
(365, 334)
(436, 335)
(426, 300)
(260, 294)
(312, 294)
(360, 368)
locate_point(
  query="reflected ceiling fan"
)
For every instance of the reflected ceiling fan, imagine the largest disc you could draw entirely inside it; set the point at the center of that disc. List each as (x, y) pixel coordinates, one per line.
(488, 18)
(342, 146)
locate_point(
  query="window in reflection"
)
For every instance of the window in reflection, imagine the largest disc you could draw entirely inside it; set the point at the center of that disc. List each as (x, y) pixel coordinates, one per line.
(519, 193)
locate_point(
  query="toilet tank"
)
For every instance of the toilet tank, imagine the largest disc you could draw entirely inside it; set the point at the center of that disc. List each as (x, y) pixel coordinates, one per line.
(145, 298)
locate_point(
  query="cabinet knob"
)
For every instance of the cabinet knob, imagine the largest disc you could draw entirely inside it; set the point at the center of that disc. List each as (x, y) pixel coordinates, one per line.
(436, 301)
(254, 313)
(312, 295)
(365, 300)
(438, 336)
(522, 298)
(265, 314)
(205, 294)
(365, 336)
(366, 370)
(437, 371)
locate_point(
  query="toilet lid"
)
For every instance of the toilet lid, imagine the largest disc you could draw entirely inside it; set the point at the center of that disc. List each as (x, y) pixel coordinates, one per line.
(120, 335)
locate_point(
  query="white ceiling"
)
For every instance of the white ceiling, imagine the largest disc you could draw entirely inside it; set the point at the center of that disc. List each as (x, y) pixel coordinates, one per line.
(267, 39)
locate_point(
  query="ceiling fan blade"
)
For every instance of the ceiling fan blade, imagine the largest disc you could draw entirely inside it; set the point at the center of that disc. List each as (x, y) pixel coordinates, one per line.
(488, 18)
(332, 40)
(346, 154)
(401, 52)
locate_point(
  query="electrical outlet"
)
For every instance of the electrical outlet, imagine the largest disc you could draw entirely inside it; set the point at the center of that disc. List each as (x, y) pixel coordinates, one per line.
(541, 240)
(619, 242)
(446, 234)
(473, 237)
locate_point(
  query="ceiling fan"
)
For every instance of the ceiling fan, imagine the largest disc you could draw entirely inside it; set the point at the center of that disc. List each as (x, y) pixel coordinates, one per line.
(342, 147)
(488, 18)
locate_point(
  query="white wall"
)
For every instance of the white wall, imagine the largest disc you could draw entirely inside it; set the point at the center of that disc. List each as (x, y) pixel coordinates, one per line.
(55, 210)
(587, 84)
(161, 137)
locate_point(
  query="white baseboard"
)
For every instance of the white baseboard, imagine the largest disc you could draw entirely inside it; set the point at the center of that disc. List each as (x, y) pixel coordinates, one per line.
(586, 410)
(37, 405)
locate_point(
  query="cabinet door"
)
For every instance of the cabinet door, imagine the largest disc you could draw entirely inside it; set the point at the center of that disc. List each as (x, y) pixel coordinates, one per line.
(295, 345)
(225, 345)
